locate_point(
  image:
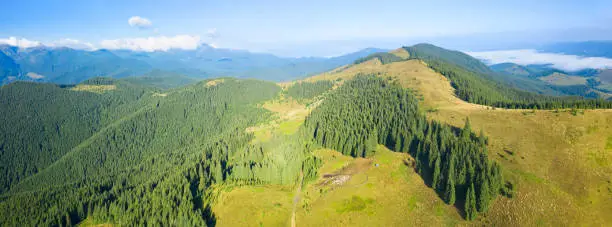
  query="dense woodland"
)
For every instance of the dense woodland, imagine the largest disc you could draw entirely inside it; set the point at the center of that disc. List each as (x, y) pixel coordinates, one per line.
(46, 121)
(384, 58)
(369, 110)
(152, 166)
(308, 90)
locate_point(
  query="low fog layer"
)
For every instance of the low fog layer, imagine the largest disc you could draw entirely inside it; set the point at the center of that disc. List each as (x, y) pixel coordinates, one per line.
(528, 57)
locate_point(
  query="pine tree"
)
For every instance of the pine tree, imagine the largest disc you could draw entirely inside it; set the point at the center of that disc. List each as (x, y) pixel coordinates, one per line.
(449, 194)
(467, 129)
(483, 196)
(371, 143)
(470, 203)
(436, 174)
(218, 172)
(482, 139)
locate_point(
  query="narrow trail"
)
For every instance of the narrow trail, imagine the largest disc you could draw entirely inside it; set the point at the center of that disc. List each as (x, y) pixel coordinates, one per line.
(296, 198)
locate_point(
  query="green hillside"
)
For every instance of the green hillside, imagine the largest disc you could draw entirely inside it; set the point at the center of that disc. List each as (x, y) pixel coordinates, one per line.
(146, 150)
(588, 83)
(9, 70)
(42, 122)
(402, 137)
(476, 83)
(161, 79)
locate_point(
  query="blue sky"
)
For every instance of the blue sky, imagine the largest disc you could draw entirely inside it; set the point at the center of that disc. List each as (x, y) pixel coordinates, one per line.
(303, 28)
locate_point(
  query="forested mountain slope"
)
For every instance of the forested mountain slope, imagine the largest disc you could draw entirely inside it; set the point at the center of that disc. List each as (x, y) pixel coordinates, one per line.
(191, 129)
(8, 68)
(589, 83)
(161, 79)
(42, 122)
(388, 140)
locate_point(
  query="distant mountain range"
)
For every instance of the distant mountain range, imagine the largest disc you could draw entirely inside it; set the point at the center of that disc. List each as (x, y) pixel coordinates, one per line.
(547, 80)
(71, 66)
(585, 49)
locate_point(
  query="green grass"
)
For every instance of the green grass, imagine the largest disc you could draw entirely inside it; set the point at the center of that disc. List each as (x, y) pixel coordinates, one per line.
(382, 200)
(90, 222)
(254, 205)
(263, 134)
(558, 167)
(563, 79)
(355, 203)
(394, 195)
(560, 160)
(529, 177)
(290, 127)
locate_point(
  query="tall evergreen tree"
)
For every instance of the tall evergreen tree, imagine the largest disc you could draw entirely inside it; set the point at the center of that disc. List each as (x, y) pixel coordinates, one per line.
(470, 204)
(483, 195)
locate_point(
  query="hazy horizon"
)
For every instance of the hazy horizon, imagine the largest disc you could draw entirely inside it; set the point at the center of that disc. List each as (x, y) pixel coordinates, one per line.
(298, 29)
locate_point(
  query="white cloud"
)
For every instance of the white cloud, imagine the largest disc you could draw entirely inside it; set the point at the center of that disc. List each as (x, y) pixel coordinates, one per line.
(140, 22)
(72, 43)
(157, 43)
(149, 44)
(22, 43)
(559, 61)
(212, 33)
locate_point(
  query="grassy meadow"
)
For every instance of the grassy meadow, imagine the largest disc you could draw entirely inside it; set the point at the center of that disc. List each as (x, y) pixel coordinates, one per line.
(559, 161)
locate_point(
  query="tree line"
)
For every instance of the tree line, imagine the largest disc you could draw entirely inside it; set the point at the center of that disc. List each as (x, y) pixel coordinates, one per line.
(308, 90)
(369, 110)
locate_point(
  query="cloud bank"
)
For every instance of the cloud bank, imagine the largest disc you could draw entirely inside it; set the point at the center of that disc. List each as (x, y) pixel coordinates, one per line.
(21, 43)
(148, 44)
(528, 56)
(140, 22)
(72, 43)
(157, 43)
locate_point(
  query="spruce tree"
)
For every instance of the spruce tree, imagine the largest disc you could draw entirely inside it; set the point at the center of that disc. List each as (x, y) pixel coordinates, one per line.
(483, 196)
(449, 194)
(436, 174)
(467, 129)
(470, 204)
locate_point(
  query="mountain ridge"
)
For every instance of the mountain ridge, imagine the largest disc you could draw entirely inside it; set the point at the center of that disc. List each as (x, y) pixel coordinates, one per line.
(70, 66)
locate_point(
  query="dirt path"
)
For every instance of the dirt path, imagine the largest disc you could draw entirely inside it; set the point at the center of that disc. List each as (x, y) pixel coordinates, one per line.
(296, 199)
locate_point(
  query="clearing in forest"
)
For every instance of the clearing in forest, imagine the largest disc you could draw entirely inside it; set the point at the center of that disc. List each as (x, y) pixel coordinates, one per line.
(94, 88)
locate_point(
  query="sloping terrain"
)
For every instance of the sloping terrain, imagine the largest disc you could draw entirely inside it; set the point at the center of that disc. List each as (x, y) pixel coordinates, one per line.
(349, 147)
(544, 79)
(558, 160)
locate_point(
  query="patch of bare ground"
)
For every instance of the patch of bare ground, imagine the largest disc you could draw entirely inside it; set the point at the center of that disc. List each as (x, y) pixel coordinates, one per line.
(342, 176)
(160, 94)
(94, 88)
(212, 83)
